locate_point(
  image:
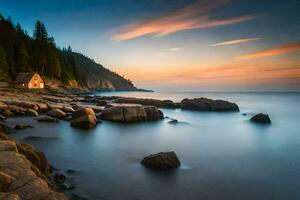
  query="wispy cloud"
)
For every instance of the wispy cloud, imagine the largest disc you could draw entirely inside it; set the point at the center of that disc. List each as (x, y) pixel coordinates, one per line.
(176, 49)
(194, 16)
(237, 41)
(273, 51)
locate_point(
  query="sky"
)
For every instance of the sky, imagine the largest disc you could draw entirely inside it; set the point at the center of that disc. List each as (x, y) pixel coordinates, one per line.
(178, 45)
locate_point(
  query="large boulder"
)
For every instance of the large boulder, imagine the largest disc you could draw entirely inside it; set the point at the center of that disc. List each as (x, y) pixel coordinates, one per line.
(204, 104)
(161, 161)
(126, 114)
(153, 113)
(84, 118)
(23, 177)
(83, 112)
(87, 121)
(261, 118)
(56, 113)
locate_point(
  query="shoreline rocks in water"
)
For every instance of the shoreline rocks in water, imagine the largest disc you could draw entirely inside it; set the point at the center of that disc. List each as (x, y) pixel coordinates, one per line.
(22, 175)
(205, 104)
(131, 113)
(161, 161)
(261, 118)
(84, 118)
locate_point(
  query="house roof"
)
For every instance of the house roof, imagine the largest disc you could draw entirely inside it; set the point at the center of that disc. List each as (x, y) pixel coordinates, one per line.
(24, 77)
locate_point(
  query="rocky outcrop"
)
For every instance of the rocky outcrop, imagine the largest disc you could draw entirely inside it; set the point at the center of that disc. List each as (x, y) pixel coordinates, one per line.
(131, 113)
(20, 178)
(261, 118)
(148, 102)
(204, 104)
(161, 161)
(84, 118)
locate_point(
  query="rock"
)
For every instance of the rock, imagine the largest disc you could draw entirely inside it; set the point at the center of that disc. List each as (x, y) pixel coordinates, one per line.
(148, 102)
(244, 114)
(66, 186)
(125, 114)
(17, 110)
(44, 165)
(173, 121)
(68, 109)
(83, 112)
(4, 128)
(161, 161)
(27, 146)
(22, 126)
(5, 181)
(101, 103)
(71, 171)
(3, 136)
(59, 178)
(261, 118)
(8, 196)
(68, 118)
(46, 119)
(42, 106)
(88, 121)
(84, 118)
(2, 118)
(27, 183)
(32, 112)
(153, 113)
(204, 104)
(56, 113)
(7, 145)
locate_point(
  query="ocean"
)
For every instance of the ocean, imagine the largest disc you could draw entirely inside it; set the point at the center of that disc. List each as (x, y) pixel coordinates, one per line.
(223, 155)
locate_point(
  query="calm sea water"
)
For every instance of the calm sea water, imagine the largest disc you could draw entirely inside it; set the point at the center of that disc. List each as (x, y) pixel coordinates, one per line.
(224, 155)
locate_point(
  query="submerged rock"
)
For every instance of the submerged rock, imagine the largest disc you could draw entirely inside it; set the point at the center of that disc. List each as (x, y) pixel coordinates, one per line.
(204, 104)
(22, 126)
(148, 102)
(161, 161)
(46, 119)
(261, 118)
(59, 178)
(173, 121)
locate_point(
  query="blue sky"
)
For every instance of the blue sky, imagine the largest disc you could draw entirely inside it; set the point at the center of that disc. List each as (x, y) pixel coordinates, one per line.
(193, 45)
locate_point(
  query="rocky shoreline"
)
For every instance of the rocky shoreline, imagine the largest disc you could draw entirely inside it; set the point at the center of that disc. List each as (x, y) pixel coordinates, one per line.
(25, 172)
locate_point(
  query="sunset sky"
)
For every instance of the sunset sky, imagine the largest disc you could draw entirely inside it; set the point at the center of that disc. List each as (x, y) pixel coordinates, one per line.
(178, 45)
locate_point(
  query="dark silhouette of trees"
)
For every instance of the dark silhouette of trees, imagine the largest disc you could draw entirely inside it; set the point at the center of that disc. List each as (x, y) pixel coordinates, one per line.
(21, 53)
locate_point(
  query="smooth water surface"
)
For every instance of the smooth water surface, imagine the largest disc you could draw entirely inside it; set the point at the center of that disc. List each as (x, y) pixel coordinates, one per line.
(224, 155)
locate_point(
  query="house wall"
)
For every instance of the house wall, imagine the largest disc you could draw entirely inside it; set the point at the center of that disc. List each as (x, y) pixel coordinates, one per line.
(36, 82)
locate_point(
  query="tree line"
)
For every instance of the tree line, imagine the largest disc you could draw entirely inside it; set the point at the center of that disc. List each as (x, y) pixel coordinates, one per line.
(20, 52)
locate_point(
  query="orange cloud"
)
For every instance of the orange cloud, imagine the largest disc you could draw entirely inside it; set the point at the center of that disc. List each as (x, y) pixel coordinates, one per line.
(194, 16)
(238, 41)
(273, 52)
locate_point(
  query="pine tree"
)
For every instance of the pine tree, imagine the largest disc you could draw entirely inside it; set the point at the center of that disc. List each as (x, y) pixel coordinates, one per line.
(3, 62)
(19, 28)
(22, 59)
(40, 32)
